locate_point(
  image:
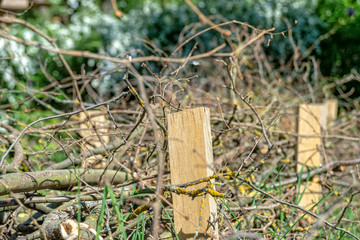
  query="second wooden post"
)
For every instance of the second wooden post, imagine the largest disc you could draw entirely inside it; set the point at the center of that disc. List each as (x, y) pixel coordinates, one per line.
(190, 150)
(309, 128)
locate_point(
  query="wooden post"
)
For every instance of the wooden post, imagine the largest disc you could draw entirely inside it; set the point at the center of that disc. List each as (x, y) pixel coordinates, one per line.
(309, 123)
(332, 109)
(191, 158)
(14, 4)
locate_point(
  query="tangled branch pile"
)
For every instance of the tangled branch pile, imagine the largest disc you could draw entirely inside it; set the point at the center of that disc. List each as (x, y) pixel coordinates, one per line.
(95, 164)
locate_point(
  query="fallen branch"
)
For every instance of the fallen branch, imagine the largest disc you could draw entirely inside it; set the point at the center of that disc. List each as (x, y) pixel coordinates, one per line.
(56, 179)
(317, 171)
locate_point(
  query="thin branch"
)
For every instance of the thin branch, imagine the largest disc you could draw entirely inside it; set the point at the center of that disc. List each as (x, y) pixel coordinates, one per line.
(122, 95)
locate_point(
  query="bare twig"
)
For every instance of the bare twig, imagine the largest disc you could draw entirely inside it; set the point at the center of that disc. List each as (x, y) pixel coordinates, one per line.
(56, 116)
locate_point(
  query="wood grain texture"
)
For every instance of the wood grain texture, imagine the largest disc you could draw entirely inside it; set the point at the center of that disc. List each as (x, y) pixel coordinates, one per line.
(332, 109)
(309, 124)
(191, 158)
(14, 4)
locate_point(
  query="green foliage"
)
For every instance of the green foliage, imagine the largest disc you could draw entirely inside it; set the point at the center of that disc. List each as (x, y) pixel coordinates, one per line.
(341, 50)
(307, 30)
(164, 23)
(335, 12)
(91, 26)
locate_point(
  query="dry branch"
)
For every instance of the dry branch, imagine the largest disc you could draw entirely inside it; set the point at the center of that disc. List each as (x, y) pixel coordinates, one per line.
(239, 126)
(57, 179)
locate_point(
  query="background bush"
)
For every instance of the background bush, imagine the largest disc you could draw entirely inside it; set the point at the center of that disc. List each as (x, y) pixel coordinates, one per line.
(92, 26)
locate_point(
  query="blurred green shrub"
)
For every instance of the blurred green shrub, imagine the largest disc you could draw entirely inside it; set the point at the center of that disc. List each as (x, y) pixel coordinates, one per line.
(87, 25)
(279, 14)
(341, 50)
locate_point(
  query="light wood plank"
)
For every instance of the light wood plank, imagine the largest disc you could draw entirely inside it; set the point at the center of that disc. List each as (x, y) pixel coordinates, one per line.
(191, 158)
(332, 109)
(309, 123)
(14, 4)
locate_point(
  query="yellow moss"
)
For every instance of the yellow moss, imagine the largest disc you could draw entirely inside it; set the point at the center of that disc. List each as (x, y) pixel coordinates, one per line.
(242, 189)
(286, 161)
(252, 176)
(76, 118)
(181, 191)
(258, 133)
(251, 194)
(202, 207)
(301, 229)
(195, 193)
(215, 176)
(167, 194)
(93, 219)
(21, 124)
(215, 193)
(266, 214)
(137, 211)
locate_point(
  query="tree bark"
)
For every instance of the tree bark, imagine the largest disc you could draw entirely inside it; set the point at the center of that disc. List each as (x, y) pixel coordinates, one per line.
(57, 179)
